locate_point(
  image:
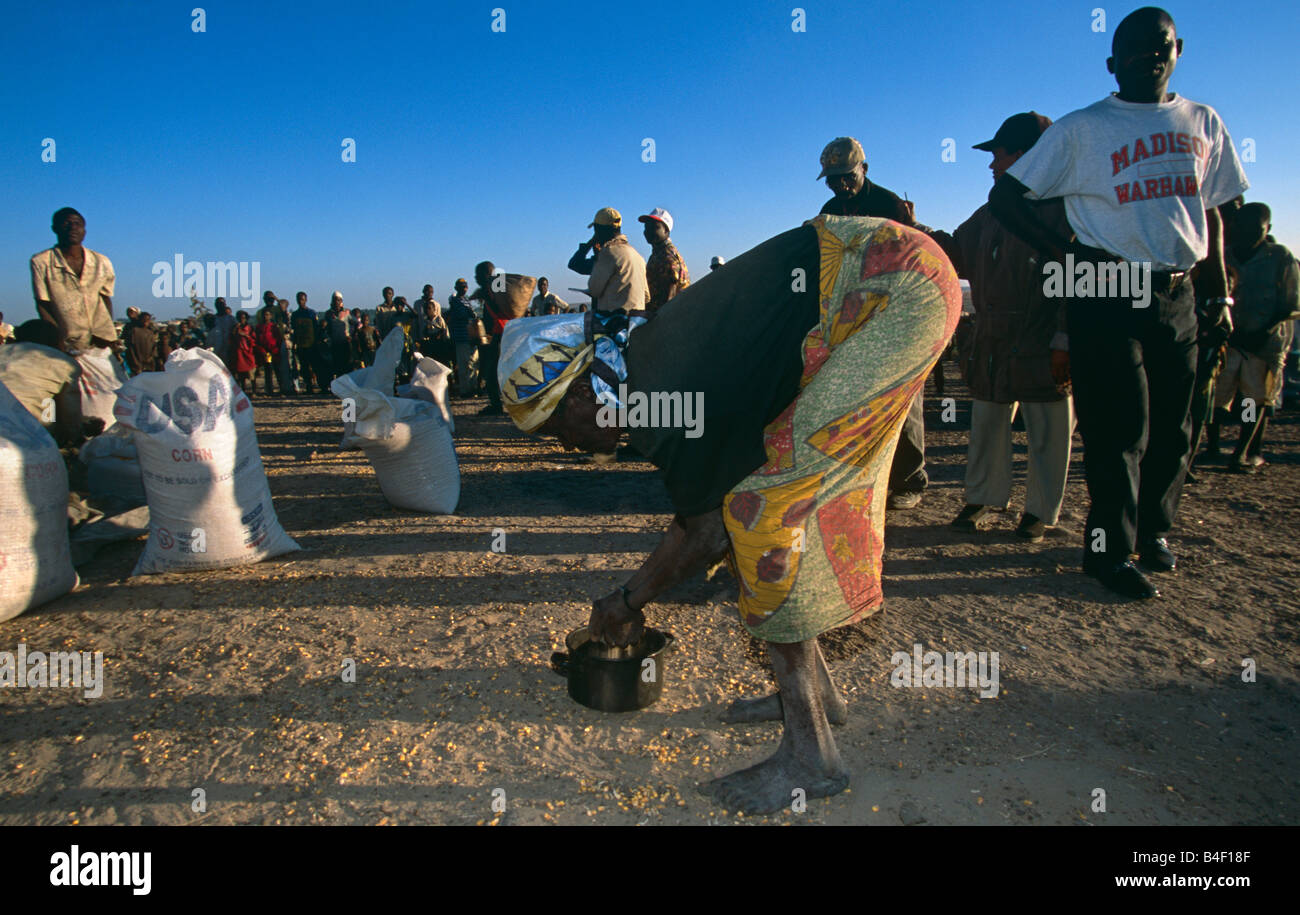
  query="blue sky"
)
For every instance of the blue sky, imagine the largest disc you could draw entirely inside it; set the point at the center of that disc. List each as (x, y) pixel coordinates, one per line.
(473, 144)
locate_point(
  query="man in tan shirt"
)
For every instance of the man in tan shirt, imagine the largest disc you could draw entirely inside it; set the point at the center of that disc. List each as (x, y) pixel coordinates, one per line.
(618, 272)
(73, 287)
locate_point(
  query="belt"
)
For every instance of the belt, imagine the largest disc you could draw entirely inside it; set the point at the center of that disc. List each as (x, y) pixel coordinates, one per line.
(1165, 282)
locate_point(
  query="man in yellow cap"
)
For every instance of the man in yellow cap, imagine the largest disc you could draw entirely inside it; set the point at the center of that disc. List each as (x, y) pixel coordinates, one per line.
(617, 270)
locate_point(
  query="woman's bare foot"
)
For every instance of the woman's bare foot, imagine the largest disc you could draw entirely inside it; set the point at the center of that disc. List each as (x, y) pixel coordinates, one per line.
(776, 783)
(807, 764)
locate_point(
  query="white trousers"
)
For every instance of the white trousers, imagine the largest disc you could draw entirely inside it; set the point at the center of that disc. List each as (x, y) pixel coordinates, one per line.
(1048, 426)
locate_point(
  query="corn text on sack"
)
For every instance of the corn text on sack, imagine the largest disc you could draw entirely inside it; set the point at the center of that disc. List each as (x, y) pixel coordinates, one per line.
(209, 502)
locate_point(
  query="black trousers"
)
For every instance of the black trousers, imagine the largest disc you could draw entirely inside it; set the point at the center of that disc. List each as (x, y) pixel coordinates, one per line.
(340, 359)
(1133, 371)
(489, 354)
(310, 368)
(907, 473)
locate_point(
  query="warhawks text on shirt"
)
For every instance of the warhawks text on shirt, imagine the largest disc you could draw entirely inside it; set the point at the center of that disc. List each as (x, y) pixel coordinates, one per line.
(1183, 149)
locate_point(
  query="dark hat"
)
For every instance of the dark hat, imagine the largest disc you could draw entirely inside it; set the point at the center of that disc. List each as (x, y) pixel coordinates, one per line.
(1017, 133)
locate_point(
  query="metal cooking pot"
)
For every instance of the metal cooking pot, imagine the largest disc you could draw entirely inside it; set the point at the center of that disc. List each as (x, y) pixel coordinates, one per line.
(613, 679)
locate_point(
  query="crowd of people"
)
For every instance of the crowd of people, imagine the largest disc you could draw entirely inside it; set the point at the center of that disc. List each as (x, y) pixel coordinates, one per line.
(1197, 356)
(299, 351)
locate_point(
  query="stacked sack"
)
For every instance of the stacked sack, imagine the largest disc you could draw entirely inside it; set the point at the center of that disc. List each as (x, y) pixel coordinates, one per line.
(113, 469)
(101, 378)
(408, 438)
(35, 560)
(209, 502)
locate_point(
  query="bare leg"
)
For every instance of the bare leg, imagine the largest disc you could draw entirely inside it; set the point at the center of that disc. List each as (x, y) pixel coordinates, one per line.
(1256, 445)
(1249, 431)
(807, 760)
(768, 708)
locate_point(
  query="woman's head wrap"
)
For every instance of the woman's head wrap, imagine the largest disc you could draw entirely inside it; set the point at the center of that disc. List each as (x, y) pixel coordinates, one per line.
(541, 357)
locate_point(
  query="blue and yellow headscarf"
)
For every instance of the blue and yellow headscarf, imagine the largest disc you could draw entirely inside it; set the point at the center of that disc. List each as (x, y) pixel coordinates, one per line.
(541, 357)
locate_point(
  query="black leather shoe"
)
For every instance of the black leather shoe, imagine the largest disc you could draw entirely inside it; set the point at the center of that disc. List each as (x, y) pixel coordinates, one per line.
(1123, 578)
(972, 518)
(1031, 528)
(1156, 555)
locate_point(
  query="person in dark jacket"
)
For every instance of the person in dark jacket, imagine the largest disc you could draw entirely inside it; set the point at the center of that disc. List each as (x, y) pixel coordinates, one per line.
(337, 337)
(494, 323)
(221, 337)
(305, 332)
(1017, 356)
(1267, 301)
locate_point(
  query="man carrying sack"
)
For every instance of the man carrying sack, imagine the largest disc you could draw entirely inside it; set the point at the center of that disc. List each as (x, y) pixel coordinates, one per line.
(505, 297)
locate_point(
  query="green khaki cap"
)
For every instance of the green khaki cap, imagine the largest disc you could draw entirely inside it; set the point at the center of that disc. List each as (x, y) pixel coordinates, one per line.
(841, 156)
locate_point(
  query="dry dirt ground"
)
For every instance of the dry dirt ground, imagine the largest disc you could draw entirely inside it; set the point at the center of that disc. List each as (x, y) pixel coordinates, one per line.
(230, 681)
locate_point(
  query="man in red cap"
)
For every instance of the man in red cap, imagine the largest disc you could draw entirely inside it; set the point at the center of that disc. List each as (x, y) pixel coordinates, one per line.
(665, 271)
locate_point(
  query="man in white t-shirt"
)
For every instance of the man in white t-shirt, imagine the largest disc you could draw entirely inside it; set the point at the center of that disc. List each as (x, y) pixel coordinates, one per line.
(1140, 173)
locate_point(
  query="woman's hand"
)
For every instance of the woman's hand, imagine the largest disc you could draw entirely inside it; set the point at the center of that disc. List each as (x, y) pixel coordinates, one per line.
(614, 622)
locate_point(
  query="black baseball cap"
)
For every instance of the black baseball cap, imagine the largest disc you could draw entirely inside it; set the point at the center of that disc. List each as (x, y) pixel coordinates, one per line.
(1017, 133)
